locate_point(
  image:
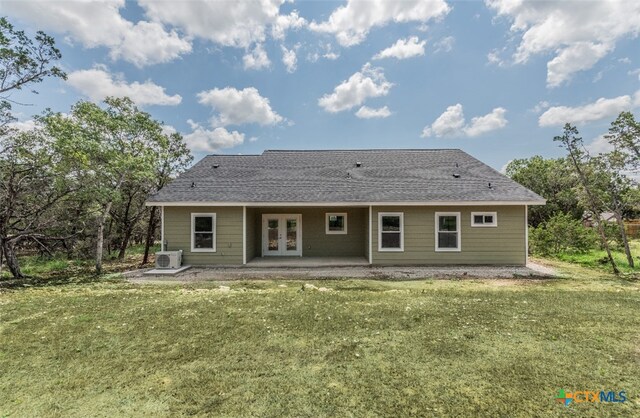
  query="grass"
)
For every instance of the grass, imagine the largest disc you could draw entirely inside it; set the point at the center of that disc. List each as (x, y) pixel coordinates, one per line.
(46, 271)
(597, 259)
(366, 348)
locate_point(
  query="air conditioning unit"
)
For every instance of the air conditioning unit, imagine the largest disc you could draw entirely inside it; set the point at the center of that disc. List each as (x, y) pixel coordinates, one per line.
(169, 259)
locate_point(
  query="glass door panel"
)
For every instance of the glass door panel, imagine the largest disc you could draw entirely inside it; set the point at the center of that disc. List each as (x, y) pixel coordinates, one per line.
(292, 234)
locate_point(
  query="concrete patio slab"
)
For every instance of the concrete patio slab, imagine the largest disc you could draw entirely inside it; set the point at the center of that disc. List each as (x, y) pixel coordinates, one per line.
(166, 272)
(531, 271)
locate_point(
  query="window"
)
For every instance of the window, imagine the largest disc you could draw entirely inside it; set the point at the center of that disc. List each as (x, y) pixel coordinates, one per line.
(203, 232)
(484, 219)
(390, 231)
(447, 231)
(336, 223)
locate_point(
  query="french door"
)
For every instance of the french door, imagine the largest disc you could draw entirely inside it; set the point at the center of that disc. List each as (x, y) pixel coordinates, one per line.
(282, 234)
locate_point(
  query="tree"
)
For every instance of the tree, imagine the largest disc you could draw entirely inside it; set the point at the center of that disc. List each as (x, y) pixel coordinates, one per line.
(553, 179)
(117, 147)
(34, 179)
(624, 135)
(23, 62)
(574, 145)
(175, 157)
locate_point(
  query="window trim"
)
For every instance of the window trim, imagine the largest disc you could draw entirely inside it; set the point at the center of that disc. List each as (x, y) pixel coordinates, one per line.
(401, 216)
(193, 232)
(483, 214)
(326, 223)
(458, 230)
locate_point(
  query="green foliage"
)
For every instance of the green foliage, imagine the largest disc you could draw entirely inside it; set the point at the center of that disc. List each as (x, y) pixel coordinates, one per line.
(552, 179)
(561, 234)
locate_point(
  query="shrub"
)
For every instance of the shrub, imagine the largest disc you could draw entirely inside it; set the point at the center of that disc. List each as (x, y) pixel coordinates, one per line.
(561, 234)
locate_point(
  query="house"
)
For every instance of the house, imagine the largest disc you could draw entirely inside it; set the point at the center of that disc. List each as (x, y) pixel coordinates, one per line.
(379, 207)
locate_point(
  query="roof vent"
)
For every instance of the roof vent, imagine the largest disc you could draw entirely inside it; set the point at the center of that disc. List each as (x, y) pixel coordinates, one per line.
(348, 175)
(490, 186)
(456, 175)
(193, 184)
(215, 165)
(358, 164)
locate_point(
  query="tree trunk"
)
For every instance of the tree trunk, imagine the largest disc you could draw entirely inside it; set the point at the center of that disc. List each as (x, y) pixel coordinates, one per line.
(625, 242)
(151, 232)
(125, 242)
(8, 248)
(100, 238)
(595, 208)
(605, 243)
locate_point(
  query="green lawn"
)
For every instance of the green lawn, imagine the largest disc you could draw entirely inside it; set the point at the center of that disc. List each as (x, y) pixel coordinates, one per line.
(597, 259)
(367, 348)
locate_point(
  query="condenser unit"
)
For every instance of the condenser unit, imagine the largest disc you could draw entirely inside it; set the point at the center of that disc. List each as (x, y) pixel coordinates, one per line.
(169, 259)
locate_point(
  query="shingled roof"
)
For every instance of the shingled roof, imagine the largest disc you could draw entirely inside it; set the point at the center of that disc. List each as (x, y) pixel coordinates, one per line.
(383, 176)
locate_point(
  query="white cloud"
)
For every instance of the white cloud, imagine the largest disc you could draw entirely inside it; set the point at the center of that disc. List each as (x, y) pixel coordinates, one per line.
(236, 107)
(444, 45)
(600, 109)
(635, 72)
(289, 58)
(95, 24)
(368, 82)
(452, 123)
(283, 23)
(599, 145)
(403, 49)
(579, 34)
(97, 84)
(23, 126)
(540, 106)
(230, 23)
(577, 57)
(366, 112)
(211, 140)
(256, 59)
(490, 122)
(449, 123)
(352, 22)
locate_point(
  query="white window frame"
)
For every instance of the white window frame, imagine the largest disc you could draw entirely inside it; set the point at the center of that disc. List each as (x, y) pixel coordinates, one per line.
(193, 232)
(399, 214)
(458, 230)
(326, 223)
(483, 214)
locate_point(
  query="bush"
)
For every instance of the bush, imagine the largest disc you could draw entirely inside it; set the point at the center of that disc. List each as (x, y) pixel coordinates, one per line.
(561, 234)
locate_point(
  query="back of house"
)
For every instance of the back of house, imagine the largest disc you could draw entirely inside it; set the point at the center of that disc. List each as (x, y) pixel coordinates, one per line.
(382, 207)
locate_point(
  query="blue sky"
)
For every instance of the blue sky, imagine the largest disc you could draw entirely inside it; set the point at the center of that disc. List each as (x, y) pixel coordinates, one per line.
(497, 79)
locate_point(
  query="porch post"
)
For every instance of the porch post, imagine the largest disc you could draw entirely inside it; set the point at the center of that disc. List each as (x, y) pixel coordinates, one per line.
(370, 235)
(162, 228)
(526, 234)
(244, 235)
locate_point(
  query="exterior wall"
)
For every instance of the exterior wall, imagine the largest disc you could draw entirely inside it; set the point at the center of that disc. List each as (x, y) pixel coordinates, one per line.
(177, 234)
(251, 234)
(501, 245)
(315, 241)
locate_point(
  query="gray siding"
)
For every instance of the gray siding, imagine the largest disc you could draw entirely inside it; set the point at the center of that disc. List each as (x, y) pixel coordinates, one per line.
(504, 244)
(177, 234)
